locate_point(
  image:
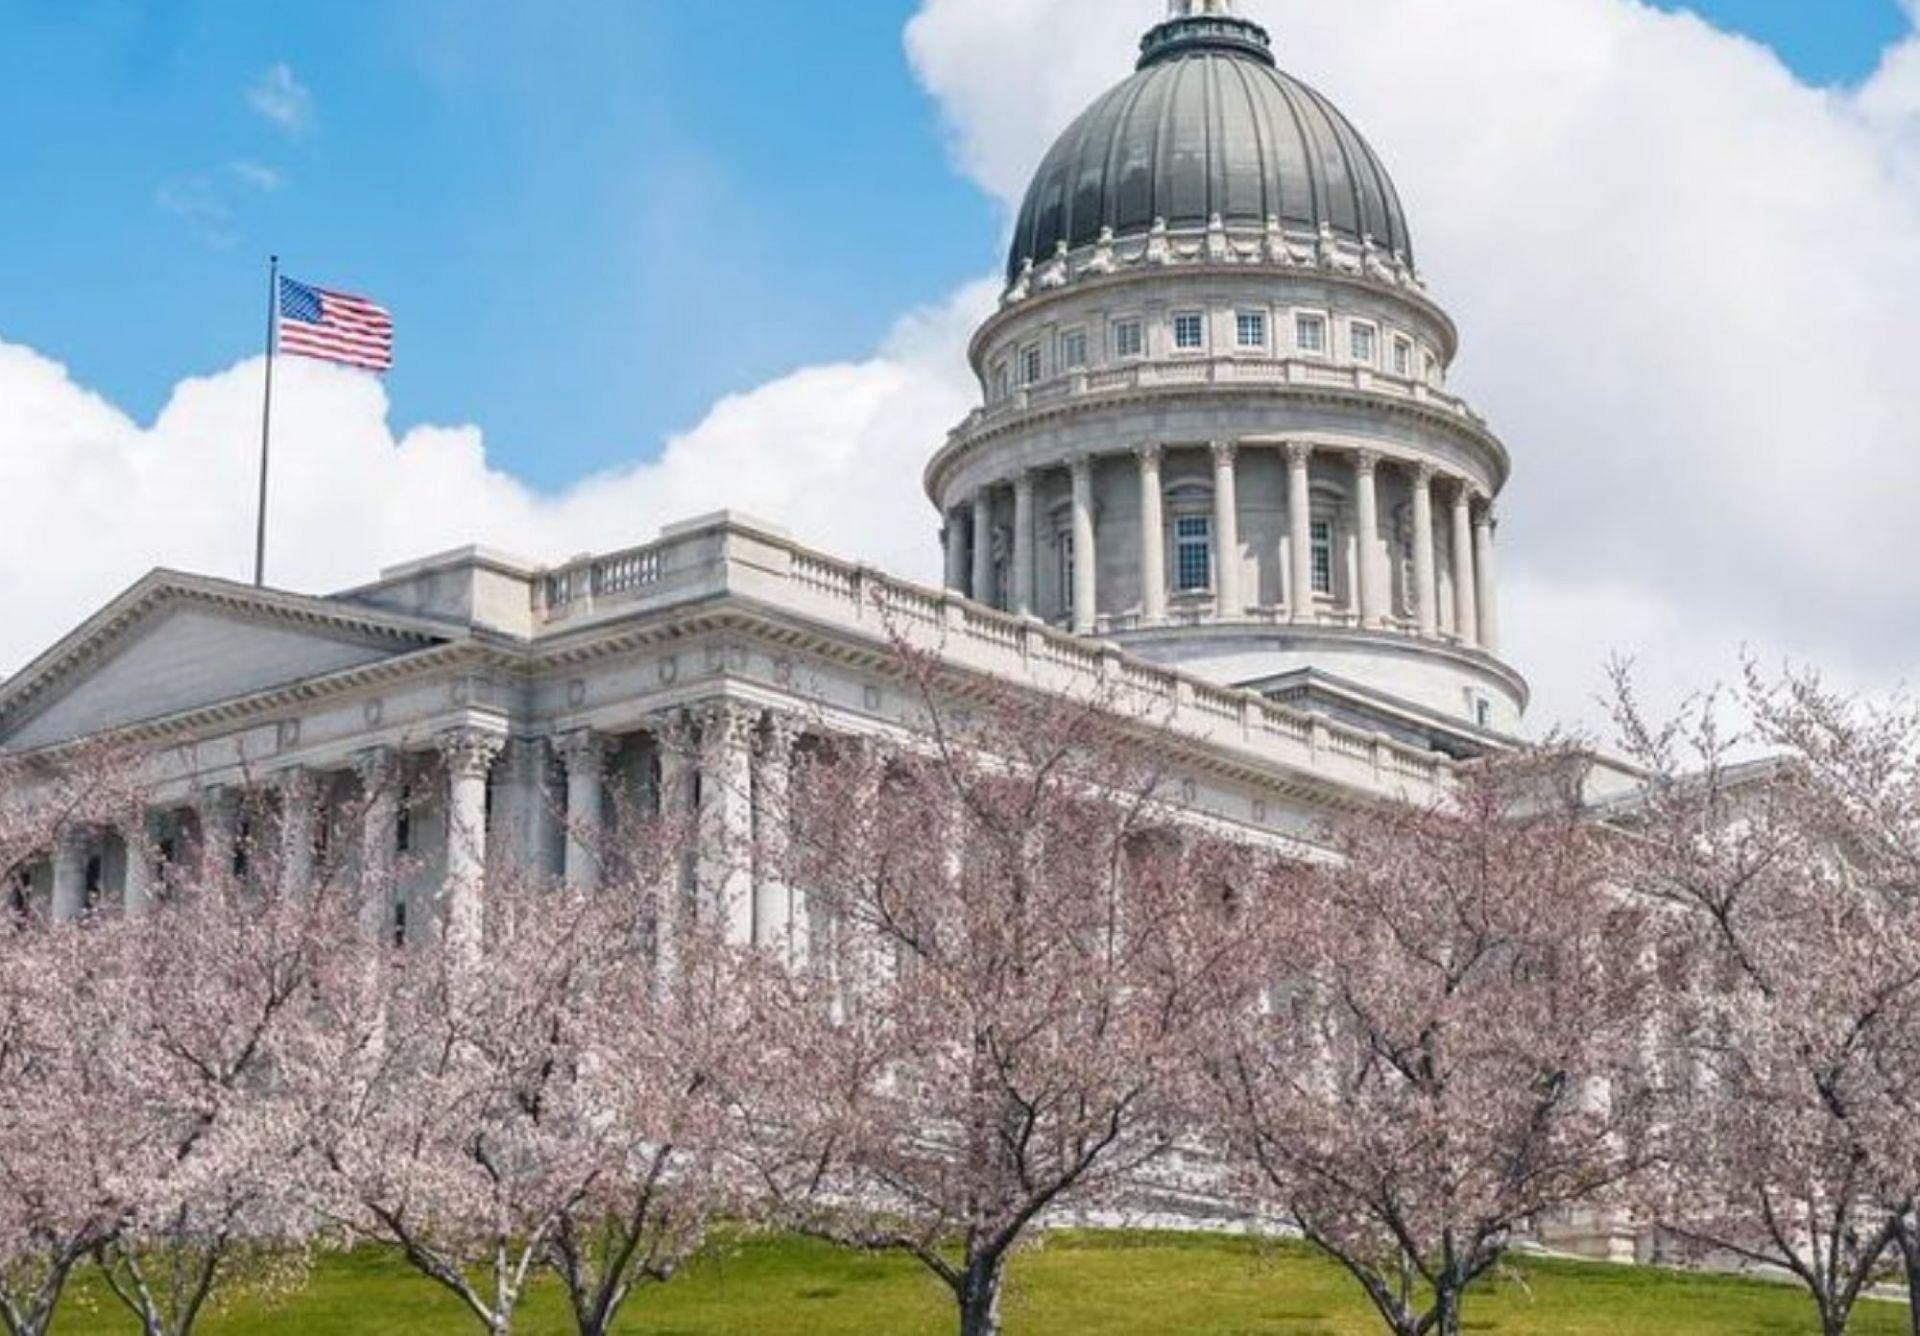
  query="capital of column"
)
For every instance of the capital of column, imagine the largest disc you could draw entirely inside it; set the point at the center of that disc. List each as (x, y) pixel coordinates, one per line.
(1299, 453)
(783, 731)
(376, 766)
(1223, 452)
(294, 784)
(1366, 462)
(1149, 453)
(583, 751)
(726, 724)
(1081, 467)
(1423, 473)
(1483, 511)
(470, 752)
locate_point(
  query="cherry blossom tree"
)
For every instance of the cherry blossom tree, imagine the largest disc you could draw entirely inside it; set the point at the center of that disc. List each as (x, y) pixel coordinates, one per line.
(214, 985)
(1448, 1050)
(1793, 890)
(62, 1125)
(1017, 931)
(541, 1102)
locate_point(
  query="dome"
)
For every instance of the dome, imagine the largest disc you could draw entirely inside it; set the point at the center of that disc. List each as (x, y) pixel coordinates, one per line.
(1208, 125)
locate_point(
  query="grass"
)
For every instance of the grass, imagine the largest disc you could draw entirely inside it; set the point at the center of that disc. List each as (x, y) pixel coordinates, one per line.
(1101, 1284)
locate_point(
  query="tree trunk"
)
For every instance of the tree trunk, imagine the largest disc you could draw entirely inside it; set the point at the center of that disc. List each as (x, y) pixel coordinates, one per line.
(1907, 1235)
(979, 1296)
(1446, 1312)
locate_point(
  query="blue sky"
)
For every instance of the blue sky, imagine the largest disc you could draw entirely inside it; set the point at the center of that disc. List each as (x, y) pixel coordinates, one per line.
(591, 219)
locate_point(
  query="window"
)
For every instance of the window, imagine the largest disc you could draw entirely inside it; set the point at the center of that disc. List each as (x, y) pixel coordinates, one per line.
(1129, 339)
(1483, 711)
(999, 381)
(400, 923)
(1192, 554)
(1310, 334)
(1433, 369)
(1073, 349)
(1251, 327)
(1322, 535)
(403, 827)
(1189, 331)
(1030, 364)
(1361, 339)
(1402, 357)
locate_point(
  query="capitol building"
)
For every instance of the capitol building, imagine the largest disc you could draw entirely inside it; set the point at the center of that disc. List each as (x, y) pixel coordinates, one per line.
(1216, 471)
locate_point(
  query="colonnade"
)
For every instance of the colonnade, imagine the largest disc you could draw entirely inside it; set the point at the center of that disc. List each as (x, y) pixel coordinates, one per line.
(726, 766)
(1472, 620)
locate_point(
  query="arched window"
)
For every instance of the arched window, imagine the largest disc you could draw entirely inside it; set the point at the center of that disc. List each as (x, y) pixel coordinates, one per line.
(1189, 509)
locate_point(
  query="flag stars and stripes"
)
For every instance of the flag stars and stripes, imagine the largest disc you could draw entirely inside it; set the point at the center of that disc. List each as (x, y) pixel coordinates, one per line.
(334, 326)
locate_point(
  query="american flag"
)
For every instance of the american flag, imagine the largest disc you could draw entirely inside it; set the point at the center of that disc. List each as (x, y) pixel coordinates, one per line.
(335, 326)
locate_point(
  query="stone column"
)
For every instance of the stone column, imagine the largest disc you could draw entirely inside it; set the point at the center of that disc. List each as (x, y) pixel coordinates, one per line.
(70, 854)
(381, 780)
(1426, 581)
(219, 811)
(1021, 596)
(1300, 531)
(1153, 537)
(1483, 530)
(137, 892)
(584, 753)
(298, 814)
(779, 908)
(469, 754)
(725, 878)
(1366, 505)
(529, 833)
(1466, 616)
(1086, 558)
(983, 545)
(1227, 605)
(954, 535)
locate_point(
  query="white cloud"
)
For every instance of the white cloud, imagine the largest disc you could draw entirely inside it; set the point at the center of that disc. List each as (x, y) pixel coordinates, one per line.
(826, 450)
(280, 97)
(258, 175)
(1685, 282)
(195, 200)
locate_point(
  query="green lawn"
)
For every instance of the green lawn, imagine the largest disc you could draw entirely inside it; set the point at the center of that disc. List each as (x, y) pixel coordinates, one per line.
(1107, 1284)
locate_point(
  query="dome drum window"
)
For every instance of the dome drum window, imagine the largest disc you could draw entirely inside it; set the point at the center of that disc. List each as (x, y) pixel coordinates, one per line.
(1310, 334)
(1189, 332)
(1129, 339)
(1073, 349)
(1251, 328)
(1031, 366)
(1362, 341)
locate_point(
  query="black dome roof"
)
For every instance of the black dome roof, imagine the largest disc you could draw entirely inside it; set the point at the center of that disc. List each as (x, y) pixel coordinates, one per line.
(1208, 125)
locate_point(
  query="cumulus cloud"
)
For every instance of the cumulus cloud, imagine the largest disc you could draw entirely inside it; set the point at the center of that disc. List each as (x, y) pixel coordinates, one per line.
(833, 451)
(1685, 281)
(281, 98)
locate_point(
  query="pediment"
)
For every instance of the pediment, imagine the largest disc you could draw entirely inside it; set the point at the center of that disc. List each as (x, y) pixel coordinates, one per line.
(164, 650)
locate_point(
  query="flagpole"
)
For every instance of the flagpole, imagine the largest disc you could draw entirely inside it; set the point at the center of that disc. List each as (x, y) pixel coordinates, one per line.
(266, 423)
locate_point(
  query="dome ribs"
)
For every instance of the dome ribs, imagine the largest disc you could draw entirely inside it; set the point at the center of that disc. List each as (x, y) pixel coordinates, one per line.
(1208, 128)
